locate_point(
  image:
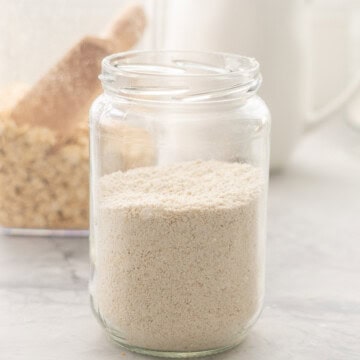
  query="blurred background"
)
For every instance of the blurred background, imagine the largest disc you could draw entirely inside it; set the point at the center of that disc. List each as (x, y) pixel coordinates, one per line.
(309, 52)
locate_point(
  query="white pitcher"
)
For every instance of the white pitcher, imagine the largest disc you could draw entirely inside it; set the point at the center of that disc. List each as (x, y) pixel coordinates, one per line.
(273, 31)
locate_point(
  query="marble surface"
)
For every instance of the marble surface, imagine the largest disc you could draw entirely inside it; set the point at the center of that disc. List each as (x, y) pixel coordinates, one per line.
(312, 308)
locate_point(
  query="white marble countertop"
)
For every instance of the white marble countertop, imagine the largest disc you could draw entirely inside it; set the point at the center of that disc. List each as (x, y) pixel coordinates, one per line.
(312, 308)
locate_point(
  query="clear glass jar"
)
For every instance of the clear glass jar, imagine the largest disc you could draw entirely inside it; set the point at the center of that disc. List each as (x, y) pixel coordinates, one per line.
(179, 150)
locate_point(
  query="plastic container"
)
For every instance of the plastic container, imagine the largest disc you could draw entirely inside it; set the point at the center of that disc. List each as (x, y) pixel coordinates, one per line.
(44, 176)
(179, 153)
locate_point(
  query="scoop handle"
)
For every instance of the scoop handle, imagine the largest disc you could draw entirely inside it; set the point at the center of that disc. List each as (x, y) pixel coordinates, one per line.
(127, 28)
(61, 98)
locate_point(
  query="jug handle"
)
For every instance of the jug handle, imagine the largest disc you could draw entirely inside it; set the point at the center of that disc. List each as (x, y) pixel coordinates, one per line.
(315, 118)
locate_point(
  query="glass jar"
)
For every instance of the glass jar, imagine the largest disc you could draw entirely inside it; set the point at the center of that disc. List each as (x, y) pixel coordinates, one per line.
(179, 150)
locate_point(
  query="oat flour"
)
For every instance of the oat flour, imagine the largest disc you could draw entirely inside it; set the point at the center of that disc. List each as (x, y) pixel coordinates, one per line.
(178, 254)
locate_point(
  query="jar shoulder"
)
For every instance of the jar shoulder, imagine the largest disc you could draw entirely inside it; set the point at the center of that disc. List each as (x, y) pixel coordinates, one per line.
(254, 107)
(98, 107)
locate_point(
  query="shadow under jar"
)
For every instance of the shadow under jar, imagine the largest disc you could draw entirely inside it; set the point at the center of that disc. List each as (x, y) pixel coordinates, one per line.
(179, 148)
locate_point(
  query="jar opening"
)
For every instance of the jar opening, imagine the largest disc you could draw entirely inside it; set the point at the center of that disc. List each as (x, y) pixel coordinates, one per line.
(180, 76)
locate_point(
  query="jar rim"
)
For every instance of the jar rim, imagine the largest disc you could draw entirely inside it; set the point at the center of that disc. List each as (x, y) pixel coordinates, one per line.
(246, 65)
(180, 76)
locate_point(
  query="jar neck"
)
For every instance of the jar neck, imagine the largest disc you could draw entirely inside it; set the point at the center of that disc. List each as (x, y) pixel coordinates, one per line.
(180, 78)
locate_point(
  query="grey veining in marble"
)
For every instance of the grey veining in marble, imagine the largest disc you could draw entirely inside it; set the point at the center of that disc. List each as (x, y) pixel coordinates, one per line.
(312, 309)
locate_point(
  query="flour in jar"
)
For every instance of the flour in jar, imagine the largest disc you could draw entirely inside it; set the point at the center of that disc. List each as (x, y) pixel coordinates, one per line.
(178, 254)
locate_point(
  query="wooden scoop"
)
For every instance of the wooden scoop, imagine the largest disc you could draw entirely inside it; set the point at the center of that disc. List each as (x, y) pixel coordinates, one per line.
(62, 97)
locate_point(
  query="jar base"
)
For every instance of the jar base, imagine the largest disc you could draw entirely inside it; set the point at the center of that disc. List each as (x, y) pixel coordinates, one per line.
(43, 232)
(170, 354)
(118, 340)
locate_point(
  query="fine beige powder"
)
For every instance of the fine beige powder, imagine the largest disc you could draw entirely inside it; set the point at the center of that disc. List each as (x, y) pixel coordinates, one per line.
(179, 254)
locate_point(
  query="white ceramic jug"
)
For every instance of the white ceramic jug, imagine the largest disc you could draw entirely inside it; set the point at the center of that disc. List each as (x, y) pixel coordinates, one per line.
(273, 31)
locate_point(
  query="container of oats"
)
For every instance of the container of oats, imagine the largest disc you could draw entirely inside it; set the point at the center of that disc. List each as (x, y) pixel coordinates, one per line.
(179, 173)
(43, 181)
(44, 157)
